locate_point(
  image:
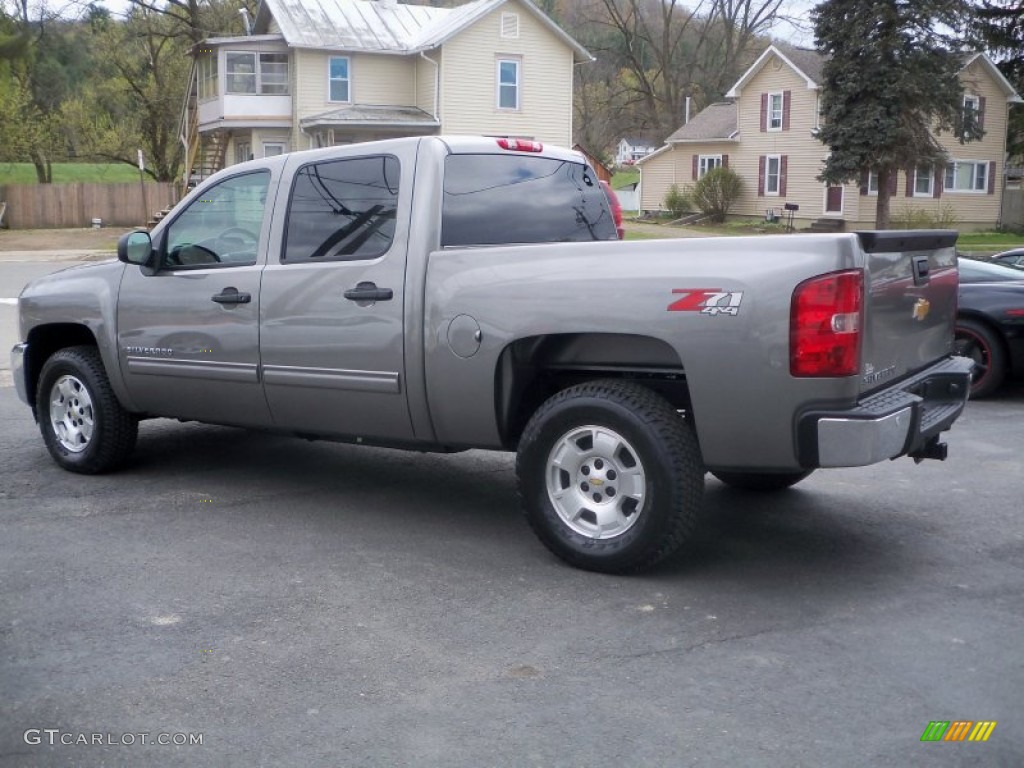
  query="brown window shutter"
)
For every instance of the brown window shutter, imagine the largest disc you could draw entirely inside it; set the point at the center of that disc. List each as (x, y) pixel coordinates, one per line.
(694, 164)
(893, 181)
(911, 174)
(725, 161)
(991, 177)
(761, 163)
(981, 112)
(787, 100)
(940, 179)
(783, 164)
(764, 112)
(863, 183)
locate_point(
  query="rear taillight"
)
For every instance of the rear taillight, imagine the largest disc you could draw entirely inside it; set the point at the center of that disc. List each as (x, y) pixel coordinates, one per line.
(616, 206)
(521, 145)
(825, 325)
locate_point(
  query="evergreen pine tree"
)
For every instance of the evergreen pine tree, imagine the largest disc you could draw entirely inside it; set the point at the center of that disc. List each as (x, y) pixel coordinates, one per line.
(1000, 28)
(890, 83)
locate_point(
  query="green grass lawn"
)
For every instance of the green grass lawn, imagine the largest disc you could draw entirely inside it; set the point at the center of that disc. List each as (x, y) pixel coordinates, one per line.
(63, 173)
(995, 241)
(625, 178)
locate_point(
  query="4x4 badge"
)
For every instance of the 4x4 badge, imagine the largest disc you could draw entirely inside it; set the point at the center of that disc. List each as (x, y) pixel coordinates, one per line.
(707, 301)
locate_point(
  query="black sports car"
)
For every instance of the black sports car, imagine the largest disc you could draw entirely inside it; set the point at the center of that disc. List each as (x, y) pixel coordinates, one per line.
(990, 323)
(1013, 258)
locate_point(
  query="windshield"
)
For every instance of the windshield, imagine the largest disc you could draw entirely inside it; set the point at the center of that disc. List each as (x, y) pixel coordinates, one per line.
(982, 272)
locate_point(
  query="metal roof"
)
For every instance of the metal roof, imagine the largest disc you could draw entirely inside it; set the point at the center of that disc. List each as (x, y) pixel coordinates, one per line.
(371, 114)
(383, 26)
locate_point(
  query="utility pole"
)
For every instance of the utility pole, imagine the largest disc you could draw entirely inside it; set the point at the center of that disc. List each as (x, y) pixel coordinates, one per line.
(142, 184)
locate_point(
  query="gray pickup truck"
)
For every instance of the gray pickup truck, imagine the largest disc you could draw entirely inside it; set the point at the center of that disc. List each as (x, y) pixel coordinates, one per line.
(439, 294)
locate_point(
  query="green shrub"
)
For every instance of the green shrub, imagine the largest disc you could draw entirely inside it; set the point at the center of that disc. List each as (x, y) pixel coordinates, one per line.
(908, 217)
(677, 202)
(716, 191)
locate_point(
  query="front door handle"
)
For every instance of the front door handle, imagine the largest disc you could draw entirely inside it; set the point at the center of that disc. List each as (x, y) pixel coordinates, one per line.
(369, 292)
(231, 296)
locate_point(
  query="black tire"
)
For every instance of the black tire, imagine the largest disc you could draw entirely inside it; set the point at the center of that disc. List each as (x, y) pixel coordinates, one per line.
(761, 481)
(977, 341)
(112, 432)
(653, 436)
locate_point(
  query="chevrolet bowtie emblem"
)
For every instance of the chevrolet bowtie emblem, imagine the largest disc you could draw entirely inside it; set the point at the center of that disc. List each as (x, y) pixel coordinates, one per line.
(596, 482)
(921, 309)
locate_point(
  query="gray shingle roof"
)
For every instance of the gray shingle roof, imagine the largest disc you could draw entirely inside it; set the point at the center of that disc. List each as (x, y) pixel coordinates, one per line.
(714, 123)
(808, 61)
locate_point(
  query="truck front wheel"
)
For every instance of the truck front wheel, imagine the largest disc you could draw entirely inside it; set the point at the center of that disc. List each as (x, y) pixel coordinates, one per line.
(84, 426)
(610, 476)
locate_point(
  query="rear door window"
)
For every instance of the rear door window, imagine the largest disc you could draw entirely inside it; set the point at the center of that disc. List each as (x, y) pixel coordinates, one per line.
(342, 210)
(506, 199)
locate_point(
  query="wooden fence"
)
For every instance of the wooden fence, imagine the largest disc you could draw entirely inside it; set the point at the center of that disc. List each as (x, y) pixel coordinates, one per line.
(55, 206)
(1013, 208)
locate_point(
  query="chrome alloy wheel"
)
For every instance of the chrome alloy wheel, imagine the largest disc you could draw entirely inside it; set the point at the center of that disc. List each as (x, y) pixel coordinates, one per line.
(71, 413)
(596, 482)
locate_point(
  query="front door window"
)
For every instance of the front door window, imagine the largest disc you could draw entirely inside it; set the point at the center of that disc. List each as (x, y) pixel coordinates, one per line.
(221, 227)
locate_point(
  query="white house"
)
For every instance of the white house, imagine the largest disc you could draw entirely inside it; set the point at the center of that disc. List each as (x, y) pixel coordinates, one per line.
(322, 72)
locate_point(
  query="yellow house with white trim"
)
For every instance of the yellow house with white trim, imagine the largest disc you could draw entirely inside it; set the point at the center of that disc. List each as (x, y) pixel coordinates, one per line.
(766, 133)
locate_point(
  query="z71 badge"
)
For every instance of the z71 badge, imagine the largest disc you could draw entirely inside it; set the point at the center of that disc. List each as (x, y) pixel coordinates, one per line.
(707, 301)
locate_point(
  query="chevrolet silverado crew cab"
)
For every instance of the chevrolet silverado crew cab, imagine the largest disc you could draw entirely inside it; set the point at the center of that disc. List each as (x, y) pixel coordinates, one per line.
(445, 293)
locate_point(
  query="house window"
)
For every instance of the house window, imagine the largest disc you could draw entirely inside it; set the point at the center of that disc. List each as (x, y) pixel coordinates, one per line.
(243, 76)
(924, 182)
(274, 73)
(966, 176)
(273, 149)
(707, 163)
(508, 84)
(339, 79)
(872, 183)
(972, 105)
(243, 151)
(510, 25)
(972, 116)
(775, 111)
(208, 77)
(772, 174)
(241, 71)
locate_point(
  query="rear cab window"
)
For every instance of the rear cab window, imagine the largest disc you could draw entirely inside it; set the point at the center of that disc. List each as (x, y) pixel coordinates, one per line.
(505, 199)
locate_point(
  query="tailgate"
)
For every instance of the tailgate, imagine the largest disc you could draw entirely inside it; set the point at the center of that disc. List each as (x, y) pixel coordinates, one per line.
(910, 302)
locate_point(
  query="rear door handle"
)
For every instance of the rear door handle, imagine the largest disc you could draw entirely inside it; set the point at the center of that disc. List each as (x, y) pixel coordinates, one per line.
(231, 296)
(369, 292)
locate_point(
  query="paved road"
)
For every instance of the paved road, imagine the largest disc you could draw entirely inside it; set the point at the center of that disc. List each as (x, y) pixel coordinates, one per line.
(311, 604)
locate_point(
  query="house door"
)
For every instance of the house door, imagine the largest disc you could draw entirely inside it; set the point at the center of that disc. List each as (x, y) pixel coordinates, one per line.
(834, 200)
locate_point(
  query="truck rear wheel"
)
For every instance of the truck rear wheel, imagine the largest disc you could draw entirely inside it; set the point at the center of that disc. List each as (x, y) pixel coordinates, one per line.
(84, 426)
(761, 481)
(610, 476)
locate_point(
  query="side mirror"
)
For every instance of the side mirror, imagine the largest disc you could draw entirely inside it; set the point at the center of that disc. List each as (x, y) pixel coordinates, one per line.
(135, 248)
